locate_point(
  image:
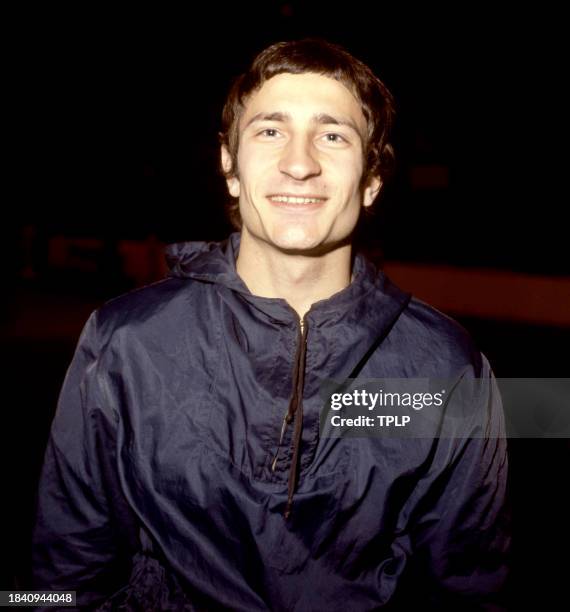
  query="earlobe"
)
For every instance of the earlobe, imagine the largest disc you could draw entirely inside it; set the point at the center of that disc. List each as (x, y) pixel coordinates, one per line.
(232, 182)
(372, 190)
(233, 186)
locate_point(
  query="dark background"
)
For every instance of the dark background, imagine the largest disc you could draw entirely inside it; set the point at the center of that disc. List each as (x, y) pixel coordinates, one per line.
(112, 126)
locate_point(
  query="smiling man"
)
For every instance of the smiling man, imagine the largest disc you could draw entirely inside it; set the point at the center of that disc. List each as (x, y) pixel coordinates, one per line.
(300, 188)
(186, 467)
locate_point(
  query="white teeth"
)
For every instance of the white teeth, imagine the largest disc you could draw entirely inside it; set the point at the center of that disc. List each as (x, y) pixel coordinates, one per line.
(292, 200)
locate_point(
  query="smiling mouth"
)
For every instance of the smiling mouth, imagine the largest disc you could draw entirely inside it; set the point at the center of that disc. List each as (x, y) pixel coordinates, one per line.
(295, 200)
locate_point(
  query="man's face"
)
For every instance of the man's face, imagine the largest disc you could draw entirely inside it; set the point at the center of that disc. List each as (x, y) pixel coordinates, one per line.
(300, 163)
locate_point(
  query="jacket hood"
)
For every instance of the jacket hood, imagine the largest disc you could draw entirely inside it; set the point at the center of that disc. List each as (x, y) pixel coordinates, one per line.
(212, 262)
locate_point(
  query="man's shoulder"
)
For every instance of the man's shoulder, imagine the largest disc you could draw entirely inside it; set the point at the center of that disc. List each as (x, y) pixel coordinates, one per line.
(152, 306)
(429, 320)
(430, 331)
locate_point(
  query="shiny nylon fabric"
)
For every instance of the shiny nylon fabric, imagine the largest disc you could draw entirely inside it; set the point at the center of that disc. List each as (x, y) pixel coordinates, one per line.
(157, 490)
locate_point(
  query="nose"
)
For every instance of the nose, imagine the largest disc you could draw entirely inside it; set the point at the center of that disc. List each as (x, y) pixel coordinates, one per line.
(298, 159)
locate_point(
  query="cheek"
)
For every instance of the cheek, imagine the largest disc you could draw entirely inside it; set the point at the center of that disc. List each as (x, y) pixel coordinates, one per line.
(254, 159)
(254, 170)
(345, 173)
(347, 183)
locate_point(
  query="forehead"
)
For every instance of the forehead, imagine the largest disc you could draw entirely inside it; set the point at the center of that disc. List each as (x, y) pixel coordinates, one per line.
(304, 95)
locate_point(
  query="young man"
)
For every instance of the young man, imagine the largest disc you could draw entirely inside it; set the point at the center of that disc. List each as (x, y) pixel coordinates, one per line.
(185, 467)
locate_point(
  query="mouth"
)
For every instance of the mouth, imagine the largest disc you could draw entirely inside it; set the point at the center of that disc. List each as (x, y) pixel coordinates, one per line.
(296, 202)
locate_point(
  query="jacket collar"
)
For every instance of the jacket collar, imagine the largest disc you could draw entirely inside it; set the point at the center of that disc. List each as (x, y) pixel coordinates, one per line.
(371, 299)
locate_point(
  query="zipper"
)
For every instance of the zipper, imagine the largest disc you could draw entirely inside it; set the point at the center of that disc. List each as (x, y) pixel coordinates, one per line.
(289, 415)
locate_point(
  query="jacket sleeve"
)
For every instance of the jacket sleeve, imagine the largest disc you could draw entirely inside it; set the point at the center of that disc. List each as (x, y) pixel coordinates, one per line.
(460, 536)
(77, 541)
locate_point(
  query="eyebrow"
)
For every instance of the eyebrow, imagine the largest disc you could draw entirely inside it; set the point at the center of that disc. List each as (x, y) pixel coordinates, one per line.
(320, 119)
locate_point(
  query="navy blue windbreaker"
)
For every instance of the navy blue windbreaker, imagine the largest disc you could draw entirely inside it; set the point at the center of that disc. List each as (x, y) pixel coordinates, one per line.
(165, 485)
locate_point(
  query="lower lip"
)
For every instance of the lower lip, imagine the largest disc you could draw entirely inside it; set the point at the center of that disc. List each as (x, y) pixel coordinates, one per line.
(289, 206)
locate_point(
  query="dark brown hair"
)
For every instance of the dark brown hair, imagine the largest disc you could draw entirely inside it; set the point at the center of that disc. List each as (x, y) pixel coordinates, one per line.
(320, 57)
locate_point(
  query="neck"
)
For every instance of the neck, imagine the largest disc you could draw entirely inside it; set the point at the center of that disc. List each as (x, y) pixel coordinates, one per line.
(299, 279)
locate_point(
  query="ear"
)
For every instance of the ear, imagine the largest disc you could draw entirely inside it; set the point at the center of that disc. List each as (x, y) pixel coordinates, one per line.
(232, 182)
(371, 191)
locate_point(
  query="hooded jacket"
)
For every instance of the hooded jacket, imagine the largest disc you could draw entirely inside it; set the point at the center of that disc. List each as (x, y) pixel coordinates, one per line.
(185, 470)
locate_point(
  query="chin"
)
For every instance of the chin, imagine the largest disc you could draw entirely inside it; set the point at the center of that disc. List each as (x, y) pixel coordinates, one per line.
(295, 238)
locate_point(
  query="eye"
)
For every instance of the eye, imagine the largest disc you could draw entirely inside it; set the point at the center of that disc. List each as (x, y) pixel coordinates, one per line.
(335, 138)
(269, 133)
